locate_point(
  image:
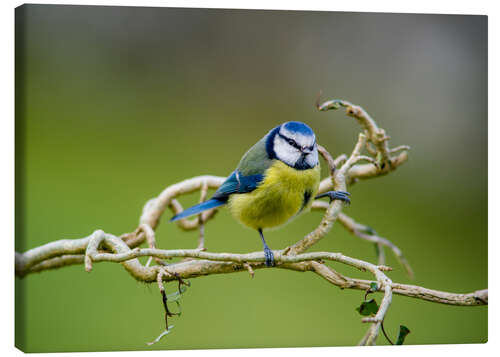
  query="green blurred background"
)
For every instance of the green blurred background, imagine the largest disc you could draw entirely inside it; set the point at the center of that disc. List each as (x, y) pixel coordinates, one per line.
(113, 104)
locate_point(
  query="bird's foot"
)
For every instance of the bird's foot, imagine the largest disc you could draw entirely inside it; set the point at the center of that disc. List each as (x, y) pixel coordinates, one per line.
(268, 253)
(336, 195)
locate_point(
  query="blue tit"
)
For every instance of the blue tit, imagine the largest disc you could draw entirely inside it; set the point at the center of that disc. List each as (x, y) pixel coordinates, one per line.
(273, 183)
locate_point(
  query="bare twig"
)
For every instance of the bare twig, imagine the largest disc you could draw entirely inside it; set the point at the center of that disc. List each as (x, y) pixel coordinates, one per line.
(221, 263)
(376, 135)
(249, 268)
(332, 165)
(344, 170)
(368, 234)
(150, 238)
(166, 332)
(201, 222)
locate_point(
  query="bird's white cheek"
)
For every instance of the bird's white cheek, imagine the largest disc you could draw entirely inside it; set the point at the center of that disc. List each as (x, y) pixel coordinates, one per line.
(289, 157)
(285, 152)
(312, 158)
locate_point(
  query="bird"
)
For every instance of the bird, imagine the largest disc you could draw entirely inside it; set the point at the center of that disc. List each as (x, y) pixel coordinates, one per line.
(273, 183)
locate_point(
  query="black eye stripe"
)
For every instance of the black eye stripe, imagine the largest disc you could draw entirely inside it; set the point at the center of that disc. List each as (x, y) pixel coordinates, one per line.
(289, 140)
(293, 142)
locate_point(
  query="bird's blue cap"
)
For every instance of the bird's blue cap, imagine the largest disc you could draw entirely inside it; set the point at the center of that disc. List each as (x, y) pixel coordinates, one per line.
(298, 127)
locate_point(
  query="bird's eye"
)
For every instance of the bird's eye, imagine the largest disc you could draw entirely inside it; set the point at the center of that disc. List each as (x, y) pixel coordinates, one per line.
(292, 142)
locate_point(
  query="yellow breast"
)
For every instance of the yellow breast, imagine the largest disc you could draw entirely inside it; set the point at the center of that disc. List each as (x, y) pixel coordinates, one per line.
(283, 194)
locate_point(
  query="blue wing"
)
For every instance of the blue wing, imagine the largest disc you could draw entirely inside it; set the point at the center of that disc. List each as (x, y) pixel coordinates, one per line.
(235, 183)
(238, 183)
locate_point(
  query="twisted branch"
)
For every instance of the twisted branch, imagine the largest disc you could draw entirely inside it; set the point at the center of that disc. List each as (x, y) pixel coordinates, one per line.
(344, 170)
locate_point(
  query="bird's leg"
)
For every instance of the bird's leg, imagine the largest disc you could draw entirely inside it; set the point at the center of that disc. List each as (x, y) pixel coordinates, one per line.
(336, 195)
(267, 251)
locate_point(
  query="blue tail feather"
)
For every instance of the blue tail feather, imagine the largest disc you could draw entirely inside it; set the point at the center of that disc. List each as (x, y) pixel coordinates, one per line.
(212, 203)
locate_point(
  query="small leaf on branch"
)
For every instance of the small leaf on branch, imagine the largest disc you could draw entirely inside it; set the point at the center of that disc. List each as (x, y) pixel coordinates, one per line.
(368, 308)
(373, 287)
(175, 296)
(403, 332)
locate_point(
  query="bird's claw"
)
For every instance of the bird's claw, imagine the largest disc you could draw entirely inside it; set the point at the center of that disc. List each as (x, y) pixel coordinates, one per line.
(268, 253)
(336, 195)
